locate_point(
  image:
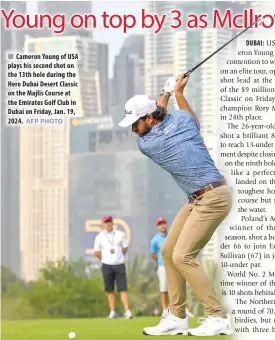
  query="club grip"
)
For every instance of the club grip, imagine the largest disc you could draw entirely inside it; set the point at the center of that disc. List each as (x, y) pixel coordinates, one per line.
(187, 74)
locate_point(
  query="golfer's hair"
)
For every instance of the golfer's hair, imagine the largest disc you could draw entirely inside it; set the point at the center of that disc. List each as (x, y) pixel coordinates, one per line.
(159, 113)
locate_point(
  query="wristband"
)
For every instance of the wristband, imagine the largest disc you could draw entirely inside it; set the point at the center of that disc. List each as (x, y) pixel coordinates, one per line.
(167, 94)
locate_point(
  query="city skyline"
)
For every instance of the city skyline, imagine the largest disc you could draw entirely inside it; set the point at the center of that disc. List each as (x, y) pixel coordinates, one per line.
(50, 169)
(113, 37)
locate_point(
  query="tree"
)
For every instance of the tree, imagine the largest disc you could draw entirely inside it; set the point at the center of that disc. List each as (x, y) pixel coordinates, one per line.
(65, 289)
(10, 282)
(14, 304)
(75, 290)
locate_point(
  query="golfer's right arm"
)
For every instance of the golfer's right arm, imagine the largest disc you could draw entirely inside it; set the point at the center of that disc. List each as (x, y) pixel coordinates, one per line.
(163, 100)
(181, 100)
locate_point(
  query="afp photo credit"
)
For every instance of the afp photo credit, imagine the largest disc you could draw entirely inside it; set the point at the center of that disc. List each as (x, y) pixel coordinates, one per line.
(137, 169)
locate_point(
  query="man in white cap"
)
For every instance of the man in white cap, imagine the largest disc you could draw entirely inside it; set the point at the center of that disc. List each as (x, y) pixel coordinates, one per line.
(173, 141)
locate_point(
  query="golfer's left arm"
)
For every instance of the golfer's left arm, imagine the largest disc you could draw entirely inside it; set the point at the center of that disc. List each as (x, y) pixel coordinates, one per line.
(183, 105)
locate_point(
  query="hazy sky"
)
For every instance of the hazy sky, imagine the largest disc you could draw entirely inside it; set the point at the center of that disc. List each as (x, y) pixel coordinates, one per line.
(114, 37)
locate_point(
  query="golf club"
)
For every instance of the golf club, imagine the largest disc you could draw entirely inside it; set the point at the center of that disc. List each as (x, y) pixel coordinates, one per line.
(211, 55)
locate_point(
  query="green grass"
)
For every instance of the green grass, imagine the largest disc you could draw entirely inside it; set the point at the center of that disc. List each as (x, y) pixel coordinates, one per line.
(85, 329)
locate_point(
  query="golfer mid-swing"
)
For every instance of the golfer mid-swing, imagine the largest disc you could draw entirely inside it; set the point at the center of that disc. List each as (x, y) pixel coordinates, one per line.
(173, 141)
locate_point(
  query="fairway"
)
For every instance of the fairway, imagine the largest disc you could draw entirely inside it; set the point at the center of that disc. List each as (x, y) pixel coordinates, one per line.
(85, 329)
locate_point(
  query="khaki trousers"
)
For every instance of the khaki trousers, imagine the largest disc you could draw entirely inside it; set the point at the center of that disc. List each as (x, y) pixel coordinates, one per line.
(191, 230)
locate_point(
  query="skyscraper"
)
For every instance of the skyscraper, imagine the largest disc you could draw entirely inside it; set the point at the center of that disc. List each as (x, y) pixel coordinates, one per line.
(11, 41)
(194, 41)
(180, 54)
(158, 57)
(69, 8)
(102, 58)
(44, 168)
(128, 72)
(211, 40)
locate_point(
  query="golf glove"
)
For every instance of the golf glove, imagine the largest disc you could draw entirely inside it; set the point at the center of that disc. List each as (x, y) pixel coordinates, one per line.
(170, 85)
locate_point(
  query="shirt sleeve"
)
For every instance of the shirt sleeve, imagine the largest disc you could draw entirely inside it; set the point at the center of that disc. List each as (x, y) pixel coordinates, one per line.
(153, 246)
(185, 115)
(97, 244)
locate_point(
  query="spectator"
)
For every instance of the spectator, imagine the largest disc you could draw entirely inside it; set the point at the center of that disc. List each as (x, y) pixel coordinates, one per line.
(156, 244)
(110, 247)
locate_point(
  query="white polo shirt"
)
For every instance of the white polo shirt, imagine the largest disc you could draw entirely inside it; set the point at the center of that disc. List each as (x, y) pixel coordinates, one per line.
(110, 244)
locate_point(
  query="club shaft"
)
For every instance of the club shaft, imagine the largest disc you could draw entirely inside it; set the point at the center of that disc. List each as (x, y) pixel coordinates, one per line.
(211, 55)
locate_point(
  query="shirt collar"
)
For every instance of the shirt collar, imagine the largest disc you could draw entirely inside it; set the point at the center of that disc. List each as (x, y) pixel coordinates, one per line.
(108, 232)
(157, 126)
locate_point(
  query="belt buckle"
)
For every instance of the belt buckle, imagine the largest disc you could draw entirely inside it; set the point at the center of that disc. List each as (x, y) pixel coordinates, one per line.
(191, 197)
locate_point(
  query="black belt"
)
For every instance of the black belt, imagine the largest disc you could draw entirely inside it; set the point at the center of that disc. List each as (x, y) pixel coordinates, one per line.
(203, 190)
